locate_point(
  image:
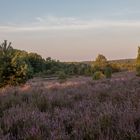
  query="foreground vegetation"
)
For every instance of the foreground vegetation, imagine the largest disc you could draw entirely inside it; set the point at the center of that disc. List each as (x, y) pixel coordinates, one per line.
(89, 110)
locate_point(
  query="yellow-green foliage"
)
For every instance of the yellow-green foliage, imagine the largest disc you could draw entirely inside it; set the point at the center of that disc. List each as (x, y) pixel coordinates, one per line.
(14, 67)
(98, 75)
(62, 76)
(100, 62)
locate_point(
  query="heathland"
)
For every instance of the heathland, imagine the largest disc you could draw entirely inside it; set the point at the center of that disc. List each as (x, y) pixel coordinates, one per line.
(45, 99)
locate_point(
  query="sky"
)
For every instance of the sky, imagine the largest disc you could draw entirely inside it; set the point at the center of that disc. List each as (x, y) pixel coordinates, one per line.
(72, 30)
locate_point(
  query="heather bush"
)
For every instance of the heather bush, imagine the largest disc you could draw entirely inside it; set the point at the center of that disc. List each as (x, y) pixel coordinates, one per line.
(102, 96)
(41, 102)
(103, 110)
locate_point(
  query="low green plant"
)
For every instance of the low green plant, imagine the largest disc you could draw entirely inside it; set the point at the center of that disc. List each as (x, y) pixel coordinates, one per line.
(98, 75)
(108, 72)
(62, 76)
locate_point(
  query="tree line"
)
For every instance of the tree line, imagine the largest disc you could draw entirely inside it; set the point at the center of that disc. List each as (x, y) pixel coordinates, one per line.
(17, 66)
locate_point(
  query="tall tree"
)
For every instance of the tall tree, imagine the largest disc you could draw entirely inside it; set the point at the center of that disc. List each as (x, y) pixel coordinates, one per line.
(138, 62)
(14, 65)
(6, 70)
(22, 68)
(37, 62)
(100, 62)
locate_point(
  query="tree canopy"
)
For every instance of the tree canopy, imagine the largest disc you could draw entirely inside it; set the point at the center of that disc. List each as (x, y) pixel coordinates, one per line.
(100, 62)
(17, 66)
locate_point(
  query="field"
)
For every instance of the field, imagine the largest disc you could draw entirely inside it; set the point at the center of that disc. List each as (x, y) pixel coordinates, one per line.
(77, 109)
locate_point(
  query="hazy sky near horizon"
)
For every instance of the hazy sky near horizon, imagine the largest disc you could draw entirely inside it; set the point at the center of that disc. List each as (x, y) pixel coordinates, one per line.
(72, 30)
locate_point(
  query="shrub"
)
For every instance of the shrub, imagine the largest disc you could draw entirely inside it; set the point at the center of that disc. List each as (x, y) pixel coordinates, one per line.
(62, 76)
(103, 96)
(108, 72)
(98, 75)
(41, 102)
(138, 70)
(105, 121)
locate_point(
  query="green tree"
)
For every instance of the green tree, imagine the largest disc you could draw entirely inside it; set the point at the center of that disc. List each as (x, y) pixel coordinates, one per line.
(14, 65)
(6, 69)
(22, 68)
(138, 63)
(37, 62)
(100, 63)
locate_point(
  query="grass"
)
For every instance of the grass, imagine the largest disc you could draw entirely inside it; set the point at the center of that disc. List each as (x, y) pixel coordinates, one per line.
(79, 109)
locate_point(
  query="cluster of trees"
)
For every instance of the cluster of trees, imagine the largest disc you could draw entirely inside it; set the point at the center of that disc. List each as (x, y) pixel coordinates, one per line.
(17, 66)
(123, 65)
(100, 65)
(55, 67)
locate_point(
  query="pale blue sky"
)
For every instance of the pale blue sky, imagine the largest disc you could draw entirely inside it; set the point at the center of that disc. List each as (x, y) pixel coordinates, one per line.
(72, 30)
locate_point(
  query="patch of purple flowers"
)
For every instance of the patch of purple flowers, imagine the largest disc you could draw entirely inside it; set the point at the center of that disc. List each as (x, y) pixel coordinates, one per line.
(104, 110)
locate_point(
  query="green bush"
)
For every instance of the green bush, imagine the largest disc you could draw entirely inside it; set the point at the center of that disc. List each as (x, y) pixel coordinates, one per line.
(62, 76)
(108, 72)
(98, 75)
(138, 70)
